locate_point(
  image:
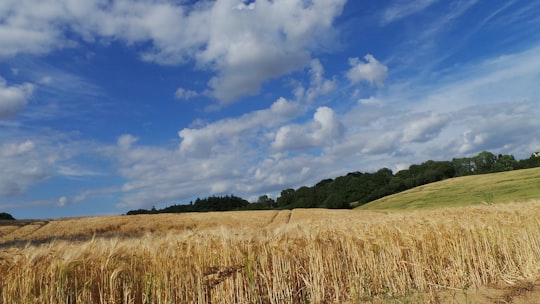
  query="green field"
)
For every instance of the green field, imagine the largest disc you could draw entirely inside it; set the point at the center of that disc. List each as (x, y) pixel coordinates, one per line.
(512, 186)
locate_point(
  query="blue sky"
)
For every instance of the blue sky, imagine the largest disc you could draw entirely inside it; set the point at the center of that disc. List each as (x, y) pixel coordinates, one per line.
(108, 106)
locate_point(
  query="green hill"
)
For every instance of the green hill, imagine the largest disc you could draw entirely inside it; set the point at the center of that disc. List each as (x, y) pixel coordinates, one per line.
(518, 185)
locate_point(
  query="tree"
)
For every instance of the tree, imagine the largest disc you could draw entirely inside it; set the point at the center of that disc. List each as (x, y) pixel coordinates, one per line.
(484, 161)
(267, 201)
(504, 163)
(334, 201)
(286, 198)
(6, 216)
(304, 197)
(464, 166)
(531, 162)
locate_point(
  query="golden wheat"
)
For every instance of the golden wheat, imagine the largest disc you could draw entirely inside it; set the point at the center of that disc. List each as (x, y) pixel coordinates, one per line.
(303, 256)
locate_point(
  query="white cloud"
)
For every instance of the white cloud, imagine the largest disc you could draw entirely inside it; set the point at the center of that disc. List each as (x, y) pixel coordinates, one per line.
(208, 140)
(13, 98)
(270, 40)
(62, 201)
(17, 149)
(372, 72)
(401, 9)
(46, 80)
(318, 85)
(155, 175)
(244, 45)
(227, 156)
(23, 163)
(158, 175)
(323, 130)
(182, 93)
(500, 126)
(125, 141)
(75, 171)
(33, 162)
(372, 100)
(423, 129)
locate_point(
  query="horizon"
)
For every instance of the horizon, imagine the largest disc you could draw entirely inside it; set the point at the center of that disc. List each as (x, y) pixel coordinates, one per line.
(106, 108)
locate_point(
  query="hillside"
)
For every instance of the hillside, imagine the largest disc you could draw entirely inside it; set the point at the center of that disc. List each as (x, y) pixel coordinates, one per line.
(518, 185)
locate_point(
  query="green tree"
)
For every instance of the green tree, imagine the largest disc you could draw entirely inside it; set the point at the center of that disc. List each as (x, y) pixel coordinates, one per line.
(531, 162)
(265, 200)
(464, 166)
(304, 197)
(503, 163)
(334, 201)
(483, 162)
(286, 198)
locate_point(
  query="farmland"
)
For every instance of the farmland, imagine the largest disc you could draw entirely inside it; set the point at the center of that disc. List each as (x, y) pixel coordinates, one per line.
(518, 185)
(299, 256)
(447, 242)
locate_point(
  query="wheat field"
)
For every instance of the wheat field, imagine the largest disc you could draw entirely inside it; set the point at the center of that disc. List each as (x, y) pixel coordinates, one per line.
(298, 256)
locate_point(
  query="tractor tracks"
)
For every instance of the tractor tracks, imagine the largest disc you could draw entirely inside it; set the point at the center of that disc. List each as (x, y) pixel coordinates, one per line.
(281, 217)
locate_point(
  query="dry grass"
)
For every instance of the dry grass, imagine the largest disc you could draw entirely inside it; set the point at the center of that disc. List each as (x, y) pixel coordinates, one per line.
(303, 256)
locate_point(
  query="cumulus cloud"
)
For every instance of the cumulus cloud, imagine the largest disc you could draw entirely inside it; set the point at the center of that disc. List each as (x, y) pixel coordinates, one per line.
(223, 157)
(208, 140)
(182, 93)
(244, 45)
(277, 41)
(13, 98)
(372, 72)
(155, 175)
(159, 175)
(324, 129)
(318, 84)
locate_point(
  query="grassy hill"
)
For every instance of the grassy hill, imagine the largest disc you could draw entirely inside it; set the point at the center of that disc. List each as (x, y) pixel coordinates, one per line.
(518, 185)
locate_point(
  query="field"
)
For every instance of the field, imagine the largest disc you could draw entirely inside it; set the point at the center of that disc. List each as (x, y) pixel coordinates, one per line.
(519, 185)
(475, 254)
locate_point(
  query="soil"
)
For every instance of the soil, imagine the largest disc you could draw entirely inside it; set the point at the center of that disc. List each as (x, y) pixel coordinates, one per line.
(524, 292)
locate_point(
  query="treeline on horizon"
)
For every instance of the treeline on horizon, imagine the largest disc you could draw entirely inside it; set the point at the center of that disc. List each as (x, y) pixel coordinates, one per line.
(357, 188)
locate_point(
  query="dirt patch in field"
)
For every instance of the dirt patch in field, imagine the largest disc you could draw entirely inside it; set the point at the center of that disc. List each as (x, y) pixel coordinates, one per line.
(525, 292)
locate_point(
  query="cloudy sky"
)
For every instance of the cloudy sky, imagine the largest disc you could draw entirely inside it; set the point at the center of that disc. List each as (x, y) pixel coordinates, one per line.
(108, 106)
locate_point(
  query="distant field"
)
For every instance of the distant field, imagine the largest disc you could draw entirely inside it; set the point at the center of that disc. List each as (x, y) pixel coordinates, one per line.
(512, 186)
(475, 254)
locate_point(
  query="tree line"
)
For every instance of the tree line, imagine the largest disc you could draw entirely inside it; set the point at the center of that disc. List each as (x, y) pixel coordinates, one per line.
(357, 188)
(212, 203)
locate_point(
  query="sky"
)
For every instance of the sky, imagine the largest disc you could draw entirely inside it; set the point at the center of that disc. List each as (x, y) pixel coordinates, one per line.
(112, 105)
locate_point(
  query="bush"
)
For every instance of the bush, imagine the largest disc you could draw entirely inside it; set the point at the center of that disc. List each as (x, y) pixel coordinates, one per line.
(6, 216)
